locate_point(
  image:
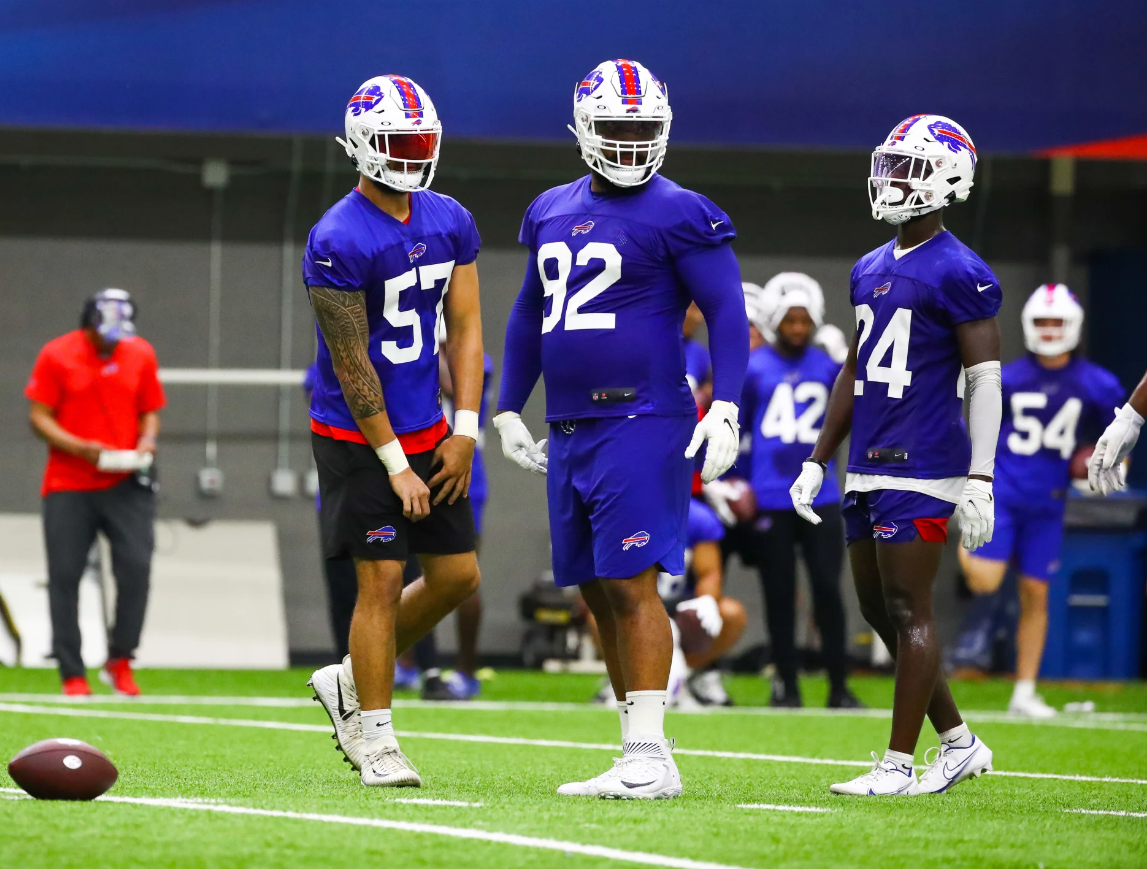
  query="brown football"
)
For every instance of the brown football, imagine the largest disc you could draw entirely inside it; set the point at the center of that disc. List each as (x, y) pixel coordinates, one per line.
(63, 769)
(1079, 461)
(744, 506)
(694, 639)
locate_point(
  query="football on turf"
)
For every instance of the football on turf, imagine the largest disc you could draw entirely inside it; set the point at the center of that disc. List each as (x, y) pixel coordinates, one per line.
(63, 769)
(694, 639)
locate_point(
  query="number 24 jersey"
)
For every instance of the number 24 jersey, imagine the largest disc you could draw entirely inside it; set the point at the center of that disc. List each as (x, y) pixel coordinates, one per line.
(907, 418)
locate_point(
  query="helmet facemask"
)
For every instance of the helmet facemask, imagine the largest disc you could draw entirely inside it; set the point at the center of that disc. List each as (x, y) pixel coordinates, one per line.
(926, 163)
(899, 187)
(401, 161)
(626, 151)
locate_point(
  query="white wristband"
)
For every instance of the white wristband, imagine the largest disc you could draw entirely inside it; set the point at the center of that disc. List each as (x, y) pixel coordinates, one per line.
(466, 424)
(393, 457)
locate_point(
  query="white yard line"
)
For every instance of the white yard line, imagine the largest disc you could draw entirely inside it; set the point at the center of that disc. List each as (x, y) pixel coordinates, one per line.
(1093, 721)
(1098, 812)
(773, 808)
(75, 711)
(567, 848)
(424, 802)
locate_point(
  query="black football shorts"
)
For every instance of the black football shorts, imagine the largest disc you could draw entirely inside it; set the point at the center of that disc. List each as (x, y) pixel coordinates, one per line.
(361, 516)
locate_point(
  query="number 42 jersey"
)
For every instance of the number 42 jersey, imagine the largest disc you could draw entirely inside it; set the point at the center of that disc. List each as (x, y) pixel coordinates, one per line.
(907, 418)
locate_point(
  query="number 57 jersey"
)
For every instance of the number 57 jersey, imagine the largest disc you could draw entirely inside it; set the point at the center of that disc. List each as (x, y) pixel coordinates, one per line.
(907, 418)
(603, 267)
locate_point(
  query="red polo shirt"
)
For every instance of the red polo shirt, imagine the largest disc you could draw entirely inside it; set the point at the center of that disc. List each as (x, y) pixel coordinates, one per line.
(94, 398)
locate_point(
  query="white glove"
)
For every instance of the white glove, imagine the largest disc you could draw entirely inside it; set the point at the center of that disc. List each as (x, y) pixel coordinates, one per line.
(1103, 469)
(517, 444)
(717, 495)
(708, 613)
(977, 512)
(723, 432)
(806, 488)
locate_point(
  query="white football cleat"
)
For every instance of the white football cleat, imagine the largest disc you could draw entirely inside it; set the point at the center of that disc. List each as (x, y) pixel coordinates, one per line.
(952, 765)
(387, 767)
(336, 692)
(590, 788)
(708, 689)
(1033, 707)
(645, 771)
(885, 779)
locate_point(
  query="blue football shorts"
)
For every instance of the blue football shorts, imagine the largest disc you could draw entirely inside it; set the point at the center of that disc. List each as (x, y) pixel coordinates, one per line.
(1030, 539)
(895, 516)
(619, 492)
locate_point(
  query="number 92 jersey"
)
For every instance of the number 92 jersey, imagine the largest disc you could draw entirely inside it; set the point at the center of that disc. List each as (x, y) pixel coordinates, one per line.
(613, 301)
(907, 418)
(404, 271)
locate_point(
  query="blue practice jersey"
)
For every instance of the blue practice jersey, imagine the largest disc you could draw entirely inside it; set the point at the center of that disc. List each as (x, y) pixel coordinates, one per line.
(703, 527)
(404, 270)
(783, 411)
(614, 302)
(907, 418)
(1046, 415)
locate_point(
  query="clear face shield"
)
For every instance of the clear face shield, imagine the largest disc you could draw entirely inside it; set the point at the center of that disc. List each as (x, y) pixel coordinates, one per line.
(898, 186)
(406, 160)
(628, 151)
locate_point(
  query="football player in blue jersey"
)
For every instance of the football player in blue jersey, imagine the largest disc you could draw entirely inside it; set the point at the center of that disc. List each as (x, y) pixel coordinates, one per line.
(614, 259)
(1052, 399)
(926, 310)
(382, 267)
(786, 392)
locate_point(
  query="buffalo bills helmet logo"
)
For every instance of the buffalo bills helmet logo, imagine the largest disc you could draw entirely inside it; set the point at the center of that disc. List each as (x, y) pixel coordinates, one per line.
(588, 85)
(884, 530)
(901, 131)
(583, 228)
(364, 99)
(952, 137)
(882, 289)
(417, 251)
(384, 534)
(639, 539)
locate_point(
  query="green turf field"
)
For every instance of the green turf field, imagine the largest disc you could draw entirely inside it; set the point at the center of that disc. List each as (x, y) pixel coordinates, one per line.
(257, 782)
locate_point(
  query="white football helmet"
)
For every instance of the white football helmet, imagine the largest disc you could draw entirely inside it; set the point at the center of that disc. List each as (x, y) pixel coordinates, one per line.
(790, 290)
(616, 93)
(1052, 302)
(752, 302)
(393, 133)
(926, 163)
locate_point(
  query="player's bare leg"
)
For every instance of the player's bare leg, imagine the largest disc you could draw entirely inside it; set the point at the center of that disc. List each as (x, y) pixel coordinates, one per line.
(593, 593)
(644, 638)
(372, 631)
(1031, 634)
(447, 581)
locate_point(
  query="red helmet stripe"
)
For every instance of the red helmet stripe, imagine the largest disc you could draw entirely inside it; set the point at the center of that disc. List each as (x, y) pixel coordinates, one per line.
(408, 94)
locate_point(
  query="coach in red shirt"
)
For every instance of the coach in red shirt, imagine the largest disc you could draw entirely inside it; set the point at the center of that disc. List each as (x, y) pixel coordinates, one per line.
(95, 398)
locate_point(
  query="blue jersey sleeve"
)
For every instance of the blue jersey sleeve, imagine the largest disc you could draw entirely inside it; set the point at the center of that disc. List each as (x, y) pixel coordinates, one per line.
(467, 241)
(522, 359)
(334, 259)
(714, 282)
(1105, 396)
(704, 526)
(698, 225)
(970, 292)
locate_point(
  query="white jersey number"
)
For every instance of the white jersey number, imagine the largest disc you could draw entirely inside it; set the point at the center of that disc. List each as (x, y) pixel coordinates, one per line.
(896, 336)
(427, 278)
(781, 420)
(556, 288)
(1031, 435)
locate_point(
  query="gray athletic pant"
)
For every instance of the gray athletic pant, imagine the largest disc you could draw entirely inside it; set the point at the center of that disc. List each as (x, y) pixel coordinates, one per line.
(126, 515)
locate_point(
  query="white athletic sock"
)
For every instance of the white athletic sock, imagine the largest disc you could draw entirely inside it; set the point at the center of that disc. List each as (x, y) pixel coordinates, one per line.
(623, 714)
(902, 760)
(955, 736)
(1024, 690)
(646, 712)
(378, 729)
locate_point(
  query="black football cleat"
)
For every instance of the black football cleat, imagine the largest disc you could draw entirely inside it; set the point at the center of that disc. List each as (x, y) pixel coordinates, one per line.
(785, 696)
(842, 698)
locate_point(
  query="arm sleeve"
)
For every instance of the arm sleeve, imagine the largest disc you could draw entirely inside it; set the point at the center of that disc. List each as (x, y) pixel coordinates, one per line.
(43, 384)
(985, 410)
(522, 359)
(151, 397)
(713, 279)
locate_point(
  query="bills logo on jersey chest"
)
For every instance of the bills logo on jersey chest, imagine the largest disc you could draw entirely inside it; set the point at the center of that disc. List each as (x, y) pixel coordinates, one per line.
(583, 228)
(416, 251)
(882, 289)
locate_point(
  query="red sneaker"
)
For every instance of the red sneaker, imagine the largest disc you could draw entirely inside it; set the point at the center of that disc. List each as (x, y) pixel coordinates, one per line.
(77, 686)
(117, 674)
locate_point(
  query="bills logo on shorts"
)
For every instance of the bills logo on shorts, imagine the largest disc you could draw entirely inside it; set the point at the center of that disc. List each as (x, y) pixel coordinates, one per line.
(384, 534)
(583, 228)
(417, 251)
(882, 289)
(639, 539)
(885, 530)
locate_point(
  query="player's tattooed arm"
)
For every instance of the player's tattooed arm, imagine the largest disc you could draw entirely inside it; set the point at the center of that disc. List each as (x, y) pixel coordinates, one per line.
(838, 415)
(342, 320)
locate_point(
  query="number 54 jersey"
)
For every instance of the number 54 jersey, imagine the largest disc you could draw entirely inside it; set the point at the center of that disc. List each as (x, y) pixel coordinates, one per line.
(404, 271)
(907, 418)
(614, 303)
